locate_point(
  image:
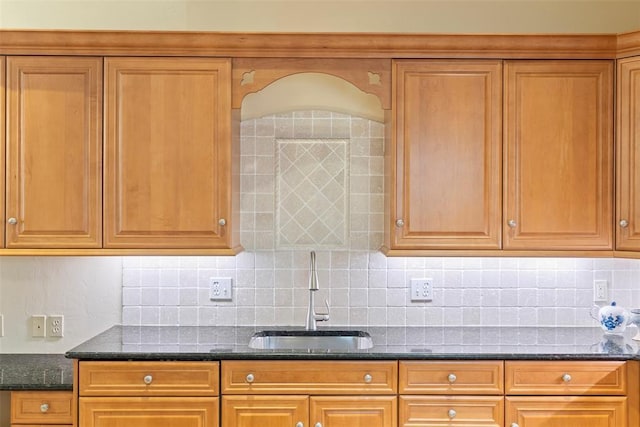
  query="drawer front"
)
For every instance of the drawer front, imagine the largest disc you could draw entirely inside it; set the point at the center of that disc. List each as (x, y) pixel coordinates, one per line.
(41, 407)
(148, 378)
(473, 377)
(472, 411)
(309, 377)
(566, 377)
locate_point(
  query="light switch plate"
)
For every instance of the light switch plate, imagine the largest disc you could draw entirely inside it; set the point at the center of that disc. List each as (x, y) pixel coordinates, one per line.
(38, 329)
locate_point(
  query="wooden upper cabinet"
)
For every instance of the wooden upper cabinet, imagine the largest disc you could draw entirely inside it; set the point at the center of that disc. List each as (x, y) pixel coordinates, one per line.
(2, 142)
(54, 152)
(558, 169)
(168, 180)
(628, 156)
(446, 155)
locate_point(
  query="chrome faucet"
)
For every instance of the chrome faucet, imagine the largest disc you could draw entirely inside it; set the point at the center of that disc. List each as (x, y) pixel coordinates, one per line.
(312, 316)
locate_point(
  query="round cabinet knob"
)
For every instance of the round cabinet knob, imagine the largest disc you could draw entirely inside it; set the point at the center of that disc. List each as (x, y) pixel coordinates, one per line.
(250, 378)
(44, 407)
(148, 379)
(512, 223)
(399, 223)
(452, 378)
(368, 378)
(515, 425)
(566, 378)
(452, 413)
(624, 223)
(12, 221)
(222, 222)
(318, 425)
(299, 424)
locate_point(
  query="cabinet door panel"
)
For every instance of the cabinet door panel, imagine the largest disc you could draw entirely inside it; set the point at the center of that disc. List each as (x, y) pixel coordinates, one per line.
(148, 412)
(54, 152)
(558, 158)
(353, 411)
(628, 156)
(265, 411)
(168, 152)
(541, 411)
(448, 147)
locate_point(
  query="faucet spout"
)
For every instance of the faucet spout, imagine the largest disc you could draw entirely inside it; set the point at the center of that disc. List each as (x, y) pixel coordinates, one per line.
(312, 316)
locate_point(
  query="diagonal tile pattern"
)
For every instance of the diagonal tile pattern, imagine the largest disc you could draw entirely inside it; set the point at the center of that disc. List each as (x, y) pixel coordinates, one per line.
(312, 193)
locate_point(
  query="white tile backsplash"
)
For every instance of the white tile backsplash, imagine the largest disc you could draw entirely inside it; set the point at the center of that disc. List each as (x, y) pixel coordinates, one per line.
(363, 287)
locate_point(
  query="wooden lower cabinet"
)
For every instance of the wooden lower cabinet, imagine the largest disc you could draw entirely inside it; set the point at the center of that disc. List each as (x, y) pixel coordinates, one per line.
(149, 412)
(260, 411)
(566, 411)
(300, 411)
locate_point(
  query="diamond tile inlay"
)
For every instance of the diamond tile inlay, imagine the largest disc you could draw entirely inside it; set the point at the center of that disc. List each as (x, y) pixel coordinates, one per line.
(312, 193)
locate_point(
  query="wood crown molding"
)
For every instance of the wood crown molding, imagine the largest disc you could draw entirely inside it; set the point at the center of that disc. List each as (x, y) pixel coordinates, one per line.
(628, 44)
(313, 45)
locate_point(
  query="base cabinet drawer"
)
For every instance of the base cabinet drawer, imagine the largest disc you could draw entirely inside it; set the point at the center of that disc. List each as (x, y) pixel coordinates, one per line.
(41, 408)
(148, 412)
(463, 411)
(455, 377)
(566, 378)
(310, 377)
(564, 411)
(148, 378)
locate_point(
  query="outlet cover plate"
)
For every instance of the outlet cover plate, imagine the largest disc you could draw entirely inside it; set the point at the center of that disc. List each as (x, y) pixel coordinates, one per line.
(220, 289)
(421, 290)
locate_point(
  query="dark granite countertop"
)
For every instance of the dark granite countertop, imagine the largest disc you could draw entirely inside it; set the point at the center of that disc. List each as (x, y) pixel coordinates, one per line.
(220, 343)
(35, 372)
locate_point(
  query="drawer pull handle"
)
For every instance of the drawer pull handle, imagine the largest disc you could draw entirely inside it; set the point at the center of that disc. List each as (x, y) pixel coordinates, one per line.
(452, 378)
(250, 378)
(368, 378)
(148, 379)
(299, 424)
(566, 378)
(452, 413)
(44, 408)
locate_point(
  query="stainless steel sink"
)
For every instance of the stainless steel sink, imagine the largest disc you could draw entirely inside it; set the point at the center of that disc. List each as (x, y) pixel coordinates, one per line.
(311, 340)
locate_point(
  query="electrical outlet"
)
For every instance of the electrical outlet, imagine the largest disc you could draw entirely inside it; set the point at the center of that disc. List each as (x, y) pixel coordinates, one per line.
(38, 326)
(422, 289)
(55, 326)
(220, 288)
(1, 325)
(600, 291)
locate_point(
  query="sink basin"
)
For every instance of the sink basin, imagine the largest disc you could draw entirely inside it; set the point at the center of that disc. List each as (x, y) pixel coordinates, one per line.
(311, 340)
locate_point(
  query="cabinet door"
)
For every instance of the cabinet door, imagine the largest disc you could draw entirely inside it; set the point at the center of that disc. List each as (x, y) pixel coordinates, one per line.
(558, 159)
(2, 142)
(54, 152)
(148, 412)
(168, 153)
(265, 411)
(628, 156)
(353, 411)
(447, 129)
(542, 411)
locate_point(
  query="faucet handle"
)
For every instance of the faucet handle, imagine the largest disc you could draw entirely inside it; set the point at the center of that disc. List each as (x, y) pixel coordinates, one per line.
(323, 317)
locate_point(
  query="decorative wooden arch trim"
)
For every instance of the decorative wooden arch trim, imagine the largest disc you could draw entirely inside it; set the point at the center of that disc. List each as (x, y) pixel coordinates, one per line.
(251, 75)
